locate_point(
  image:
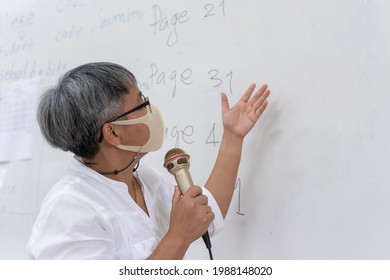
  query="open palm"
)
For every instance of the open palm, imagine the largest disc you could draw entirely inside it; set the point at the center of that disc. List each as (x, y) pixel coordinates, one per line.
(242, 117)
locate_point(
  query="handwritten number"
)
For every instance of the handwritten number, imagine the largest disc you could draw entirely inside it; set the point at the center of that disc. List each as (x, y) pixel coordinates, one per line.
(230, 75)
(211, 137)
(217, 80)
(210, 9)
(238, 185)
(222, 5)
(214, 77)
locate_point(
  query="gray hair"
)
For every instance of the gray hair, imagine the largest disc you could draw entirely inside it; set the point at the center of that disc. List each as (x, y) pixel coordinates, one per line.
(71, 114)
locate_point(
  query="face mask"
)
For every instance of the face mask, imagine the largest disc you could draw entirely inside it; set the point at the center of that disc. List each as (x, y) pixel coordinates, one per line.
(154, 121)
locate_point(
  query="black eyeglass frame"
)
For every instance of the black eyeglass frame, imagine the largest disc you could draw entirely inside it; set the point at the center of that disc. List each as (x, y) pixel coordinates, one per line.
(142, 105)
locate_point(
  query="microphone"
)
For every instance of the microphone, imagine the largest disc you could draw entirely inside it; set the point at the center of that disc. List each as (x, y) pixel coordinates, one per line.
(177, 162)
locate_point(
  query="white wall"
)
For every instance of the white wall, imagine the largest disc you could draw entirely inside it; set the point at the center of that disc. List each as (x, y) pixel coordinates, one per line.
(314, 179)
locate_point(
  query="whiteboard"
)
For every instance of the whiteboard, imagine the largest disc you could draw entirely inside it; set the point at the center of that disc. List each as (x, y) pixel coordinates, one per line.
(314, 178)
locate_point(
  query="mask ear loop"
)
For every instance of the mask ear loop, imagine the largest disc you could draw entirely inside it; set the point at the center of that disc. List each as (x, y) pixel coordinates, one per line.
(115, 172)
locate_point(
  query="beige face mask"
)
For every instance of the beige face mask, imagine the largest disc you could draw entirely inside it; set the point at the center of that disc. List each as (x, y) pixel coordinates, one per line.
(154, 121)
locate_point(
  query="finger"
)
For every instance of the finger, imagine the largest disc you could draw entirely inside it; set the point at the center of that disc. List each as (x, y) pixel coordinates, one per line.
(258, 95)
(260, 101)
(224, 103)
(202, 199)
(176, 195)
(261, 109)
(248, 93)
(210, 215)
(194, 191)
(208, 209)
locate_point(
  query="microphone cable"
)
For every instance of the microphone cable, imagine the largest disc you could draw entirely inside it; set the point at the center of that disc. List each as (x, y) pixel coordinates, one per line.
(206, 239)
(210, 254)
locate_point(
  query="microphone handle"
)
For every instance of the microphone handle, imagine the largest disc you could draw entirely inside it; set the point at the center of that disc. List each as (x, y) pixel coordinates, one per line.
(184, 181)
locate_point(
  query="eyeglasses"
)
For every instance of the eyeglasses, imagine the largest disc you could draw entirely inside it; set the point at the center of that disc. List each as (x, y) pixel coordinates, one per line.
(144, 104)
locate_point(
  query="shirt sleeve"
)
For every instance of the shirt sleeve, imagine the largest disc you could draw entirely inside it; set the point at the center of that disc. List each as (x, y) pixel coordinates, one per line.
(70, 228)
(218, 223)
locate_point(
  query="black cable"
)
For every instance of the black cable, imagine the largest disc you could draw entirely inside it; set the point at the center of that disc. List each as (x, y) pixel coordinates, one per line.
(206, 239)
(210, 253)
(124, 168)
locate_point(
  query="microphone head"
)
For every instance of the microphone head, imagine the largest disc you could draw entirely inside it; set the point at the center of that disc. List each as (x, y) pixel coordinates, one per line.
(176, 159)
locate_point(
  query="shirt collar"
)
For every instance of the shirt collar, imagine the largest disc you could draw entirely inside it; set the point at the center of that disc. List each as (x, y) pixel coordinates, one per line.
(79, 167)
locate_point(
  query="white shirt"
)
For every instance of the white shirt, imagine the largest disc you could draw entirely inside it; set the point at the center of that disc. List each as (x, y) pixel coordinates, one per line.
(89, 216)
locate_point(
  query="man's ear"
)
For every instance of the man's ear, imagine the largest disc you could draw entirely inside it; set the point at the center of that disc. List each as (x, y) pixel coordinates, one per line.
(111, 134)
